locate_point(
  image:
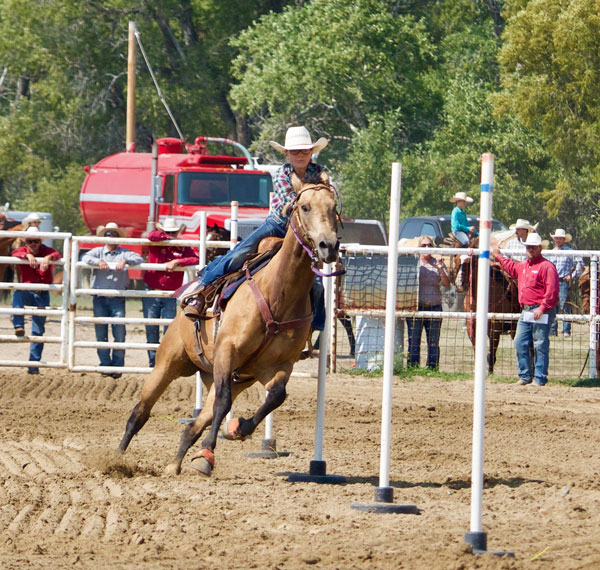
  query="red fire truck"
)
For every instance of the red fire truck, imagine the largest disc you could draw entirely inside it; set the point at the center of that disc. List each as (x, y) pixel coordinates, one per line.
(135, 189)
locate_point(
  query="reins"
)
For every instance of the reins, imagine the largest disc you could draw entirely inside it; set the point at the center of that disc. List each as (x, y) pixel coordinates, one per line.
(312, 251)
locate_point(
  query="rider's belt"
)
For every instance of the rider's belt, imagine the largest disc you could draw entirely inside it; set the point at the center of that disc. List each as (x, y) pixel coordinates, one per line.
(529, 307)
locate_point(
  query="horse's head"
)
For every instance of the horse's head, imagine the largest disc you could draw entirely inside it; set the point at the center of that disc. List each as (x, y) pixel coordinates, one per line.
(314, 217)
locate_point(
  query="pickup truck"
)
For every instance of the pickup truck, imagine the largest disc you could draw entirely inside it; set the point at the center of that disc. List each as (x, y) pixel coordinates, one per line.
(437, 226)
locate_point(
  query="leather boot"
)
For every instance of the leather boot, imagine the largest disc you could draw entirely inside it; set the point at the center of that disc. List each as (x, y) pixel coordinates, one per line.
(195, 308)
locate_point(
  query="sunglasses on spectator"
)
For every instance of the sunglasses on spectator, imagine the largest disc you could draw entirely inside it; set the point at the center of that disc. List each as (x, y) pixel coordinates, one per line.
(32, 241)
(531, 246)
(426, 245)
(303, 151)
(111, 234)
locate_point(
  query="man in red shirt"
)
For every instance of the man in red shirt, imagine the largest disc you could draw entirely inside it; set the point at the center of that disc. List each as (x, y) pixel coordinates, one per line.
(38, 271)
(169, 280)
(538, 295)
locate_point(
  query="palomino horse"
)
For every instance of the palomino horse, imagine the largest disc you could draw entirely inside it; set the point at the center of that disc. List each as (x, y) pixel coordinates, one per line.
(259, 337)
(503, 298)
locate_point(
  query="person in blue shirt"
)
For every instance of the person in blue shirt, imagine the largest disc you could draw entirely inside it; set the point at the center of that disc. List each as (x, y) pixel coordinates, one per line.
(461, 229)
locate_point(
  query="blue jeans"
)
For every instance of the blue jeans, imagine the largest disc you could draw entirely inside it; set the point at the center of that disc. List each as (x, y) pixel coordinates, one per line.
(110, 307)
(539, 334)
(432, 328)
(462, 237)
(563, 293)
(234, 259)
(317, 301)
(38, 323)
(157, 308)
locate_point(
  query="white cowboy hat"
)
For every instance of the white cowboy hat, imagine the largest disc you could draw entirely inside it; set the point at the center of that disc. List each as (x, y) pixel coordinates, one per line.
(533, 239)
(111, 226)
(560, 233)
(33, 217)
(298, 138)
(32, 230)
(170, 226)
(461, 196)
(523, 225)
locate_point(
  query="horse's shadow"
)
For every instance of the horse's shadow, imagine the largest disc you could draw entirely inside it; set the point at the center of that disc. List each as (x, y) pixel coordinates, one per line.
(455, 484)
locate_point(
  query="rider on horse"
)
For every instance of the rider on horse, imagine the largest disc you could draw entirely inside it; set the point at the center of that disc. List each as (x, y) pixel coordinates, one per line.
(298, 150)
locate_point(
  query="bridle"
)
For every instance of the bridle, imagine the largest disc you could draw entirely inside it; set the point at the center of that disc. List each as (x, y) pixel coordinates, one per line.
(301, 233)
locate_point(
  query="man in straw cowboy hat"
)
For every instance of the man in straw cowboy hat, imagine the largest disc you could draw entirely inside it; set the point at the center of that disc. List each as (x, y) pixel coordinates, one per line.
(111, 274)
(538, 296)
(298, 150)
(172, 256)
(461, 229)
(568, 268)
(522, 228)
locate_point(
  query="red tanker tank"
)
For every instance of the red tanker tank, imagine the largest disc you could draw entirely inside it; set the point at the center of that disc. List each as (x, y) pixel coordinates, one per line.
(120, 188)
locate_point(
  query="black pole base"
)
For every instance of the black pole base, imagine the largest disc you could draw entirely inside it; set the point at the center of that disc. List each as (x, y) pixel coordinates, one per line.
(384, 497)
(317, 474)
(478, 541)
(268, 451)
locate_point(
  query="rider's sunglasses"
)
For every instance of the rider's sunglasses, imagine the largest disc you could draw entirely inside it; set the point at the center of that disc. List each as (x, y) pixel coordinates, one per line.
(426, 245)
(303, 151)
(111, 234)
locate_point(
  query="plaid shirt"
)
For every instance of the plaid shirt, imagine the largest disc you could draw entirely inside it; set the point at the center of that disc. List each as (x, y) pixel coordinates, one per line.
(572, 266)
(282, 189)
(515, 244)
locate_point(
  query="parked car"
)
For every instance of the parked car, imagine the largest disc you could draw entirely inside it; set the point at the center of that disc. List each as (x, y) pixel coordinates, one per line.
(437, 226)
(363, 232)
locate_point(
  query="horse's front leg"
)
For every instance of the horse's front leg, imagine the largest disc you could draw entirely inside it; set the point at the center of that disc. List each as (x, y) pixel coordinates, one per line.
(241, 428)
(204, 460)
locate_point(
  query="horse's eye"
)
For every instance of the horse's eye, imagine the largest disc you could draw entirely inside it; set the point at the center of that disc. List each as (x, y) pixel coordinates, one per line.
(305, 208)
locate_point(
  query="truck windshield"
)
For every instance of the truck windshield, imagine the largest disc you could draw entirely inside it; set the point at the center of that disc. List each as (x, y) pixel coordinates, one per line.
(220, 189)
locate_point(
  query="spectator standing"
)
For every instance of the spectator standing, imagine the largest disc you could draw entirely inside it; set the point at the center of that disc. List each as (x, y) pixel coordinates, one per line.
(522, 229)
(432, 274)
(538, 296)
(111, 274)
(568, 269)
(36, 272)
(461, 229)
(170, 280)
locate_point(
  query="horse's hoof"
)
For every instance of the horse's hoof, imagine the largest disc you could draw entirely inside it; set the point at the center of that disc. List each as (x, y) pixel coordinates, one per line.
(204, 462)
(232, 430)
(173, 469)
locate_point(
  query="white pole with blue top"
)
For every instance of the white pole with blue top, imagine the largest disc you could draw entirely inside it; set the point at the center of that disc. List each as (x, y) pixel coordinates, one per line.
(476, 537)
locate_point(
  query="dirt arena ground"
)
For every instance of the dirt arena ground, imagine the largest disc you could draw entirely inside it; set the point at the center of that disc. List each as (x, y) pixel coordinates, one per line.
(67, 501)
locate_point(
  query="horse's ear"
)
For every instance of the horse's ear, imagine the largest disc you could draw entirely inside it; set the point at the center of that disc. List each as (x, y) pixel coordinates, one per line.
(325, 178)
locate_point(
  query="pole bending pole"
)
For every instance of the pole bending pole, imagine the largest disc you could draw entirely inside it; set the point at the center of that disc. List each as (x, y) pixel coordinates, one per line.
(476, 538)
(384, 494)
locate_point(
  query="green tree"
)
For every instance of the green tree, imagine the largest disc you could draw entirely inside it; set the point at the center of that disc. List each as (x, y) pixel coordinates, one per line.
(550, 71)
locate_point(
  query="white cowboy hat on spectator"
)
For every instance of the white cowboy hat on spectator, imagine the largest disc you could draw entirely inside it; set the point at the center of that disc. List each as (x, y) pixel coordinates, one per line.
(298, 138)
(523, 225)
(170, 226)
(110, 227)
(461, 196)
(560, 233)
(33, 217)
(32, 230)
(4, 209)
(533, 239)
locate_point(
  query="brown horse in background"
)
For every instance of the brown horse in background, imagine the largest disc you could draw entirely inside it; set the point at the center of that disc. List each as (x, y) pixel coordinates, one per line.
(6, 271)
(503, 298)
(248, 344)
